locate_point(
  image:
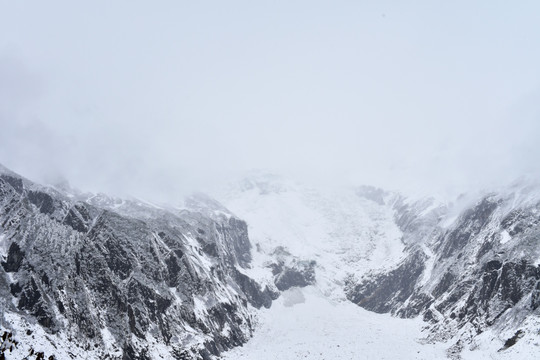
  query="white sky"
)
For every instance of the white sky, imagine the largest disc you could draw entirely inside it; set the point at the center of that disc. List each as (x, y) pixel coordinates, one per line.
(160, 98)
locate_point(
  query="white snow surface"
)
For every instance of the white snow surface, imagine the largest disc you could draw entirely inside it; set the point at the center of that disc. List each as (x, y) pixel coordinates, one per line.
(505, 237)
(3, 247)
(306, 324)
(489, 344)
(343, 232)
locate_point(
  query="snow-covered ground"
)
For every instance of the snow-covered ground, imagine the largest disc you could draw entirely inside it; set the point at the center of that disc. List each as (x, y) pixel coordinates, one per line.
(488, 345)
(305, 324)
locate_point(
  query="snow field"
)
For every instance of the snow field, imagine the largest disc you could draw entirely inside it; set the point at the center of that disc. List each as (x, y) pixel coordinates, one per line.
(305, 324)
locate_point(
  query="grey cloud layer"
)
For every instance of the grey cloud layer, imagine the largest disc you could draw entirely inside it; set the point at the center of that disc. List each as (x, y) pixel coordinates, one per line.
(157, 100)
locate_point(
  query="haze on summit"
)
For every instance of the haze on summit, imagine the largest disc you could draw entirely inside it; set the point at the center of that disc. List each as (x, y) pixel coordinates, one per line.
(159, 99)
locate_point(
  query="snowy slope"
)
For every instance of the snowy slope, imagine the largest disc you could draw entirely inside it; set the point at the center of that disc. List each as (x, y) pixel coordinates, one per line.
(305, 324)
(342, 231)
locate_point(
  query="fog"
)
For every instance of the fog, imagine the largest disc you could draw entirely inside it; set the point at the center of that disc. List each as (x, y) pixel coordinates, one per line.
(160, 99)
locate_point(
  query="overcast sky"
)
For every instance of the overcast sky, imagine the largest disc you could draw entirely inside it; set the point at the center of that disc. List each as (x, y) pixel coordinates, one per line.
(160, 98)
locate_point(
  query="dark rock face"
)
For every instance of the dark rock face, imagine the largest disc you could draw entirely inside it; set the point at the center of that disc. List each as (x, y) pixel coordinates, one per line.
(472, 222)
(513, 340)
(253, 292)
(241, 247)
(135, 272)
(32, 300)
(290, 271)
(387, 292)
(501, 288)
(15, 182)
(301, 274)
(14, 258)
(78, 218)
(43, 201)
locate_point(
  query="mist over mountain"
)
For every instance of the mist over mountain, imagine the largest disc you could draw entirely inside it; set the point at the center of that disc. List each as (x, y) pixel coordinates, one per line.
(261, 180)
(157, 102)
(283, 263)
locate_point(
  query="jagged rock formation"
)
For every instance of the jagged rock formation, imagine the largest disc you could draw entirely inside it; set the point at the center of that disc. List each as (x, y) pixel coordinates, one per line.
(289, 271)
(118, 279)
(465, 273)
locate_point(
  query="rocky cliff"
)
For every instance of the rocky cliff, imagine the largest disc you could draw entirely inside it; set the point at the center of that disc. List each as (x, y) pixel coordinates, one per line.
(86, 276)
(471, 267)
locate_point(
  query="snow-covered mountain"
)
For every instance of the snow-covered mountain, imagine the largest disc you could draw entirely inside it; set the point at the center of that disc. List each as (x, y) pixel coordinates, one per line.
(272, 260)
(340, 231)
(469, 268)
(472, 272)
(96, 277)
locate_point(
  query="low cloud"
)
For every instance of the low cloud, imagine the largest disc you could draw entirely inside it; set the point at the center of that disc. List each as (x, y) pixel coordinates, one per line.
(160, 102)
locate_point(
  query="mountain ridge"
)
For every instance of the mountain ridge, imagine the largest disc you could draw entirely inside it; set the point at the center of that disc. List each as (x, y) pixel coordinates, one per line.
(127, 279)
(121, 280)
